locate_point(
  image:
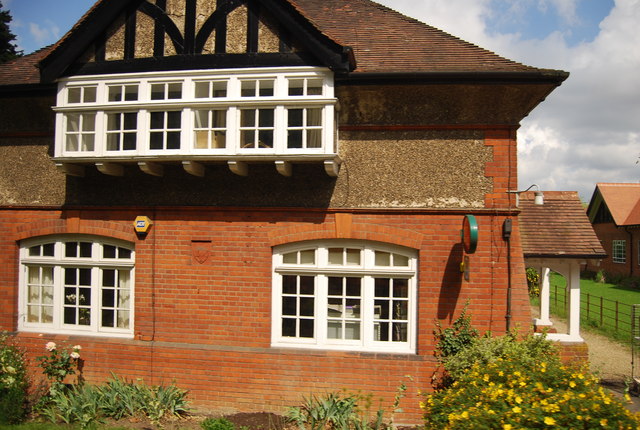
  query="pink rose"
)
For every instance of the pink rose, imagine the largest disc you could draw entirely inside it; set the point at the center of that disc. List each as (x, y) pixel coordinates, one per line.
(50, 346)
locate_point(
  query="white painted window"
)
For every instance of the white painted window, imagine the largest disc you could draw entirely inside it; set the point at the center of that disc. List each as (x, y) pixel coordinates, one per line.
(346, 295)
(279, 111)
(619, 251)
(76, 285)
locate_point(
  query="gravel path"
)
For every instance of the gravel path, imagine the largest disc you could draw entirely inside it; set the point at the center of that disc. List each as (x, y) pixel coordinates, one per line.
(610, 360)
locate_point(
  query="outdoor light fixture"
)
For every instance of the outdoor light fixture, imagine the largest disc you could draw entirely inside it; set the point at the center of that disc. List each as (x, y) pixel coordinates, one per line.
(539, 197)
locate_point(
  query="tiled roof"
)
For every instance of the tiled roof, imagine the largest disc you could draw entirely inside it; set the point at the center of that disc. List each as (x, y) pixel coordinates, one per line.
(623, 201)
(384, 40)
(23, 70)
(558, 228)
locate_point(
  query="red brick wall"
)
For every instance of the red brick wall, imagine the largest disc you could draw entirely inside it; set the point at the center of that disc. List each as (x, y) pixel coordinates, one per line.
(607, 233)
(207, 326)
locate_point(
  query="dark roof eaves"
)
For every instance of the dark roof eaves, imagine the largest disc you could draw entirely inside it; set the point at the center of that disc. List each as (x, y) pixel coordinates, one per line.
(539, 76)
(26, 89)
(559, 256)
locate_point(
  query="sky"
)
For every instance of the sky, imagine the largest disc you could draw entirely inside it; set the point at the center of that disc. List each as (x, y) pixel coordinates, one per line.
(587, 131)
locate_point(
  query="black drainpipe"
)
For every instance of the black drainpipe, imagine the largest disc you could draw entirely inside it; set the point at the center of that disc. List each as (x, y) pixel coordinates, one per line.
(506, 235)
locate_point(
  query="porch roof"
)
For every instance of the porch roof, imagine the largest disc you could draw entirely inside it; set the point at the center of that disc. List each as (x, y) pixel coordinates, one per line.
(558, 229)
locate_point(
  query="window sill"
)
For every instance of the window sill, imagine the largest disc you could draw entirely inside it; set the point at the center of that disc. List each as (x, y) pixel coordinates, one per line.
(194, 164)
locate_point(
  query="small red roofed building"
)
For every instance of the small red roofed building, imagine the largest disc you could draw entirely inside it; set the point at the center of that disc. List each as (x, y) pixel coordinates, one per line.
(614, 212)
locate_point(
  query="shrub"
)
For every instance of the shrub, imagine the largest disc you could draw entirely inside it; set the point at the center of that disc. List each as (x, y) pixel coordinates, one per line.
(533, 282)
(217, 424)
(509, 394)
(344, 411)
(86, 404)
(454, 339)
(59, 362)
(13, 382)
(528, 351)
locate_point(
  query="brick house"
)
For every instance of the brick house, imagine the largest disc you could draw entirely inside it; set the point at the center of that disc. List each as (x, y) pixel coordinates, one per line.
(300, 172)
(614, 212)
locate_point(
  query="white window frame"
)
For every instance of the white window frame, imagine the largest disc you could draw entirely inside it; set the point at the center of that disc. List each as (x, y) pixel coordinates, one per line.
(367, 271)
(232, 101)
(96, 265)
(619, 251)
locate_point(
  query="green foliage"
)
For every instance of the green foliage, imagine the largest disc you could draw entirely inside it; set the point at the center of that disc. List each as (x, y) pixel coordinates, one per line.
(217, 424)
(509, 393)
(59, 363)
(452, 340)
(533, 282)
(8, 49)
(86, 404)
(346, 411)
(529, 351)
(319, 412)
(76, 404)
(13, 382)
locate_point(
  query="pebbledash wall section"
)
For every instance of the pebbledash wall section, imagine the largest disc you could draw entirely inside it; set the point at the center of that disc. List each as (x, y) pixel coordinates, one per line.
(206, 324)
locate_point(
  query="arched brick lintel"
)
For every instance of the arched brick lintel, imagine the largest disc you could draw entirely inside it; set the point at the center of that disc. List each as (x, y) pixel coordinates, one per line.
(357, 231)
(115, 230)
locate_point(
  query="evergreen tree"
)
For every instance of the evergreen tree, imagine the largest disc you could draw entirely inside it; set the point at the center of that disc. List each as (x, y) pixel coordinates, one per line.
(7, 47)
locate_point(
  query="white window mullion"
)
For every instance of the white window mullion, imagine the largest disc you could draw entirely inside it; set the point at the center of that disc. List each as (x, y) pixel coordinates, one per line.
(328, 130)
(233, 125)
(187, 135)
(321, 309)
(58, 296)
(143, 132)
(101, 133)
(95, 297)
(280, 130)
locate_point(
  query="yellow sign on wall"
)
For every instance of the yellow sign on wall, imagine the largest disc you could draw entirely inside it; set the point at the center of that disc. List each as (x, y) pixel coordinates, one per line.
(142, 224)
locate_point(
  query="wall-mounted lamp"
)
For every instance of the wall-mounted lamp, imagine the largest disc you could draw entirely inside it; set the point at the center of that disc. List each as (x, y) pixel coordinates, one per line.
(539, 197)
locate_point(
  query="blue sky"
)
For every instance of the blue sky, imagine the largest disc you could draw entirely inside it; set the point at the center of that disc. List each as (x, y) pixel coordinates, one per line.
(587, 131)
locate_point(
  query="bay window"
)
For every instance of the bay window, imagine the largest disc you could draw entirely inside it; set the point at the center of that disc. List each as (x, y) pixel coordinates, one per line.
(196, 114)
(76, 285)
(345, 295)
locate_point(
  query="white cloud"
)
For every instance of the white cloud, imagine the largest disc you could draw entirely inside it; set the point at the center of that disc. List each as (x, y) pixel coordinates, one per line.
(566, 9)
(44, 35)
(588, 129)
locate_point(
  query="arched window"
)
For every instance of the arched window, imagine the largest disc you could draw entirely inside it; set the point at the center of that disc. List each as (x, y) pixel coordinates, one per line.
(76, 285)
(347, 295)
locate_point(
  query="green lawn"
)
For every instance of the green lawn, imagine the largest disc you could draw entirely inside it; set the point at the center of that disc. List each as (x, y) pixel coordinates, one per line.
(620, 293)
(605, 308)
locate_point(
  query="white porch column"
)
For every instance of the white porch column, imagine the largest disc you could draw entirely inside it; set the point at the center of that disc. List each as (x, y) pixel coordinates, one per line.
(573, 290)
(545, 292)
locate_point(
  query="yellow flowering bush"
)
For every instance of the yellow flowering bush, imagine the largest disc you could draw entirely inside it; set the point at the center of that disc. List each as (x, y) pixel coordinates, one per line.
(508, 394)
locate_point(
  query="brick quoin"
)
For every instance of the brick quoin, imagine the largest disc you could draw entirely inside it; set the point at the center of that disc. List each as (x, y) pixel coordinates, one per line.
(207, 324)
